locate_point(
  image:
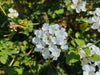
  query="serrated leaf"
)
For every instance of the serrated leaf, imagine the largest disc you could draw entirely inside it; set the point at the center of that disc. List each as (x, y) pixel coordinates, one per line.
(72, 57)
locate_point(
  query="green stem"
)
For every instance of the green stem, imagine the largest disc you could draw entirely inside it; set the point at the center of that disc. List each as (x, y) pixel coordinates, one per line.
(84, 54)
(81, 62)
(71, 37)
(93, 43)
(3, 10)
(35, 24)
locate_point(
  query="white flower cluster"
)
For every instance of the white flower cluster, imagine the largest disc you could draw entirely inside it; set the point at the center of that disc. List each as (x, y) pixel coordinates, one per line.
(49, 39)
(95, 20)
(79, 5)
(13, 13)
(89, 67)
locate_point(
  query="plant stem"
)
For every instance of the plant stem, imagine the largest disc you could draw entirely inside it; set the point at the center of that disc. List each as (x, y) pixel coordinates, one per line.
(94, 43)
(3, 10)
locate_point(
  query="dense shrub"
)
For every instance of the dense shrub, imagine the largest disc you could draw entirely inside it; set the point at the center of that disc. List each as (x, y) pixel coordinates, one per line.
(49, 37)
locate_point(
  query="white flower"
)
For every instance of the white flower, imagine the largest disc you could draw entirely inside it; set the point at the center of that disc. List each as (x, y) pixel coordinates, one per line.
(53, 39)
(65, 47)
(38, 49)
(62, 33)
(11, 10)
(95, 19)
(49, 39)
(52, 48)
(96, 12)
(56, 54)
(88, 68)
(13, 13)
(45, 53)
(85, 73)
(35, 40)
(39, 33)
(39, 46)
(97, 62)
(94, 49)
(53, 28)
(98, 73)
(79, 5)
(45, 27)
(90, 64)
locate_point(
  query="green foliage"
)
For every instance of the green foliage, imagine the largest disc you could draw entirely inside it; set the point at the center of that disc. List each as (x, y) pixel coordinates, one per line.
(72, 57)
(17, 55)
(77, 42)
(6, 50)
(87, 51)
(95, 57)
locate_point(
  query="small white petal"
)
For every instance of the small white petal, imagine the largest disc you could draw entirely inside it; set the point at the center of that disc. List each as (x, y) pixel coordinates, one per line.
(65, 47)
(9, 15)
(16, 14)
(73, 6)
(11, 10)
(78, 10)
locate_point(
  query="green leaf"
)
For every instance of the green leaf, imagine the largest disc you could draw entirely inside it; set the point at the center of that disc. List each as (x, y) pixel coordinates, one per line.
(19, 71)
(60, 11)
(95, 57)
(80, 42)
(41, 1)
(53, 15)
(72, 57)
(3, 59)
(77, 34)
(67, 2)
(73, 43)
(87, 51)
(16, 63)
(97, 1)
(69, 31)
(10, 52)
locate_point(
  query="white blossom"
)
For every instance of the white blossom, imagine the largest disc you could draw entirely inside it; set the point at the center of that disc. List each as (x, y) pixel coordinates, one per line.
(79, 5)
(45, 53)
(13, 13)
(88, 63)
(49, 39)
(95, 19)
(98, 73)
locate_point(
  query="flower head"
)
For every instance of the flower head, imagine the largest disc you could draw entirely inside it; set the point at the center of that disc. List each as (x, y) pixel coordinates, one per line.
(79, 5)
(95, 19)
(89, 67)
(13, 13)
(49, 39)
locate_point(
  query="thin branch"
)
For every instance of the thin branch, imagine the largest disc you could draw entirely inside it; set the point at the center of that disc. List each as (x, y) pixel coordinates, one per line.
(12, 62)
